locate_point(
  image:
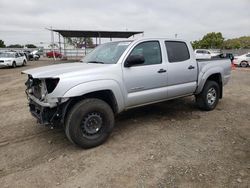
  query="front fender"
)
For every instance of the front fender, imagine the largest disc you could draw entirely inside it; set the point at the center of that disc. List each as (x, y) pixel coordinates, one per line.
(98, 85)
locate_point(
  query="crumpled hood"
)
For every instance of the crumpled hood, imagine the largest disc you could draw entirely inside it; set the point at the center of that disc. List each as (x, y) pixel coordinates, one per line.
(57, 70)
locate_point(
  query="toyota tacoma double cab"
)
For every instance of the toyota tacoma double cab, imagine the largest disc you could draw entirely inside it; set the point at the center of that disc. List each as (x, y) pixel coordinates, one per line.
(84, 97)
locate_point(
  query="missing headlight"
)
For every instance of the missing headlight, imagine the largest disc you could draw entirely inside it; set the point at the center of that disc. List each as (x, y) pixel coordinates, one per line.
(51, 84)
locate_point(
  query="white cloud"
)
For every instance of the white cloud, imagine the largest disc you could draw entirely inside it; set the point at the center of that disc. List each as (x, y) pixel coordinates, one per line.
(24, 21)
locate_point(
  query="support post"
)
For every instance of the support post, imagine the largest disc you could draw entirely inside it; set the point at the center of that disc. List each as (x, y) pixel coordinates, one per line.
(52, 44)
(64, 46)
(85, 45)
(60, 48)
(99, 38)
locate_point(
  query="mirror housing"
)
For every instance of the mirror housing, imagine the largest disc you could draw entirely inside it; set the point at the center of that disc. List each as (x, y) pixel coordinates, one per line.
(134, 60)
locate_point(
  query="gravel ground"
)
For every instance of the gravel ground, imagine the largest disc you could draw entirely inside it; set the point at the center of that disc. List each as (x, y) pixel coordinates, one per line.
(171, 144)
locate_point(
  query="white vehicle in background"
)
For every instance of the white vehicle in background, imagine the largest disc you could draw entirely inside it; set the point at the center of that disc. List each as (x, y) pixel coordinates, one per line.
(12, 59)
(215, 52)
(242, 60)
(202, 54)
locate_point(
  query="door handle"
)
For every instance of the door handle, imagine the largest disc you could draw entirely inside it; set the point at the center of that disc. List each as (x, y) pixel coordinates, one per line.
(162, 71)
(191, 67)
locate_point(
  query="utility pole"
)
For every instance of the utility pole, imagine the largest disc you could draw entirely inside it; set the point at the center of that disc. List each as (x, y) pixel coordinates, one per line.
(52, 43)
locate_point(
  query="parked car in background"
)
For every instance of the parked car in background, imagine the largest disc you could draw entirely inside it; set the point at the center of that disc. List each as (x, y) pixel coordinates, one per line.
(242, 60)
(34, 55)
(214, 52)
(57, 54)
(202, 54)
(26, 53)
(12, 59)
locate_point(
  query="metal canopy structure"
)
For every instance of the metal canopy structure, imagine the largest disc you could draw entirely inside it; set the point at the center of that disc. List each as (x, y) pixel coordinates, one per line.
(65, 33)
(96, 34)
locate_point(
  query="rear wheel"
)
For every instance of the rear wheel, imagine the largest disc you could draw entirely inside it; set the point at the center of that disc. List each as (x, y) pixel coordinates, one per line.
(244, 64)
(209, 97)
(89, 123)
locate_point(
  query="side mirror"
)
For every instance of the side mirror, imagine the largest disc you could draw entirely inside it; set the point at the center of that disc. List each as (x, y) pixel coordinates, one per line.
(134, 60)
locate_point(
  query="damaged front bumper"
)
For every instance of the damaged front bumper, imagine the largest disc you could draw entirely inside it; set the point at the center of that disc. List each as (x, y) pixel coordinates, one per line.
(46, 113)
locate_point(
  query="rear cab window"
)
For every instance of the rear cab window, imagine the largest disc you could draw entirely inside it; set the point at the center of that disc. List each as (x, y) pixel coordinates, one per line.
(177, 51)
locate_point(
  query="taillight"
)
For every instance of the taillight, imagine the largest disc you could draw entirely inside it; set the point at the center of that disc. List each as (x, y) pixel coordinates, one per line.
(51, 84)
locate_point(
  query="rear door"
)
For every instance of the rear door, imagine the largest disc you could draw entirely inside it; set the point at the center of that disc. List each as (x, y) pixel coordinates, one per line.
(147, 82)
(182, 69)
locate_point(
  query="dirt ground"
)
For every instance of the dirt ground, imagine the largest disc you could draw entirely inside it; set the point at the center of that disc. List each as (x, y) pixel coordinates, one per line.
(172, 144)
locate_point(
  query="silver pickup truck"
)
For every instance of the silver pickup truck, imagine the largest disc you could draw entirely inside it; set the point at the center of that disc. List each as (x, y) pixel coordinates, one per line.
(84, 97)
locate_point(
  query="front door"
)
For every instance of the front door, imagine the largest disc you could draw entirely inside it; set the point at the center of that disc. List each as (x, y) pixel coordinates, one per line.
(146, 82)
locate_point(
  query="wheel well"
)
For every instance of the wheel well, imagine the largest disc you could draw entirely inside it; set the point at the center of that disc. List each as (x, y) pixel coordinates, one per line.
(244, 61)
(105, 95)
(217, 78)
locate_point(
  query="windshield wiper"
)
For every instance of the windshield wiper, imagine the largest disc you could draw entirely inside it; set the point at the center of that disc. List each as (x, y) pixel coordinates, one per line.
(100, 62)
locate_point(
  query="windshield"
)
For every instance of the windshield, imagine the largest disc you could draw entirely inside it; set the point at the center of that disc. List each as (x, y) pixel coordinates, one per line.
(108, 53)
(6, 55)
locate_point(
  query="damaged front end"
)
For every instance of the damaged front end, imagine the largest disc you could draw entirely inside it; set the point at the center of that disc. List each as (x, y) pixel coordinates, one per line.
(46, 111)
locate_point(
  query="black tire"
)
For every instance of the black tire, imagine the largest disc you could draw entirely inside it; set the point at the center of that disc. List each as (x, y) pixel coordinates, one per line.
(244, 64)
(14, 64)
(89, 123)
(206, 100)
(24, 63)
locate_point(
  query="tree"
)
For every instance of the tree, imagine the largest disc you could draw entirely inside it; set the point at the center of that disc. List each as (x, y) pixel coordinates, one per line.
(210, 40)
(15, 46)
(2, 45)
(236, 43)
(216, 40)
(80, 42)
(31, 46)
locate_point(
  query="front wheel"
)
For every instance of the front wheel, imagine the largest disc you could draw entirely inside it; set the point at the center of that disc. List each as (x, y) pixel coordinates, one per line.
(24, 63)
(14, 64)
(209, 97)
(89, 123)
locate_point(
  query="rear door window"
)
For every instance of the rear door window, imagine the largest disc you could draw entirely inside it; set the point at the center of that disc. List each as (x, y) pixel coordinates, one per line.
(177, 51)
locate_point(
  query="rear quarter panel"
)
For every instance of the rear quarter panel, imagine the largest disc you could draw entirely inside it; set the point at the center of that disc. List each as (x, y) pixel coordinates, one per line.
(208, 68)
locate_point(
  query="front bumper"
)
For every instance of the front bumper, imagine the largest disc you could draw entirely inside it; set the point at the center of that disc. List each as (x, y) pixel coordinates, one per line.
(5, 64)
(44, 115)
(43, 104)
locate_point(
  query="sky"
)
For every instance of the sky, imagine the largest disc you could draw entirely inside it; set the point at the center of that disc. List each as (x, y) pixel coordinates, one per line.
(24, 21)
